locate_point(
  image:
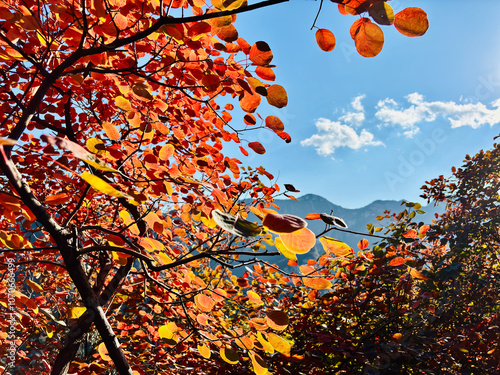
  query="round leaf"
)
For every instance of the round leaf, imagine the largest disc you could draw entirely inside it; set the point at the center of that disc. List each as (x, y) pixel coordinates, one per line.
(261, 54)
(230, 356)
(411, 22)
(279, 343)
(257, 147)
(204, 302)
(276, 96)
(277, 320)
(369, 39)
(274, 123)
(325, 39)
(338, 248)
(300, 241)
(382, 13)
(317, 283)
(249, 102)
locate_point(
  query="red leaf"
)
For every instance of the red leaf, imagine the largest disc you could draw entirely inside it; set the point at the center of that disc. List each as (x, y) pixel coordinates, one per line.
(257, 147)
(363, 244)
(243, 151)
(411, 22)
(313, 216)
(398, 261)
(285, 136)
(276, 96)
(412, 233)
(283, 223)
(274, 123)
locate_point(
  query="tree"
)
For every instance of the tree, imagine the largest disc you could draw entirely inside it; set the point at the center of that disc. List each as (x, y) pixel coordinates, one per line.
(115, 183)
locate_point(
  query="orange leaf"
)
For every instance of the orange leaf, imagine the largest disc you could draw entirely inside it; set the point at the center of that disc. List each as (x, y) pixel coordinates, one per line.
(249, 102)
(228, 33)
(261, 54)
(325, 39)
(277, 320)
(317, 283)
(57, 199)
(243, 151)
(276, 96)
(257, 147)
(363, 244)
(398, 261)
(274, 123)
(331, 245)
(265, 73)
(412, 233)
(204, 302)
(249, 119)
(411, 22)
(103, 352)
(166, 151)
(111, 131)
(300, 241)
(313, 216)
(369, 40)
(204, 351)
(283, 223)
(417, 275)
(423, 229)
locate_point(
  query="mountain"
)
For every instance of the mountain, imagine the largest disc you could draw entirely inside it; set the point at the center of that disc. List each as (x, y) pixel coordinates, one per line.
(356, 219)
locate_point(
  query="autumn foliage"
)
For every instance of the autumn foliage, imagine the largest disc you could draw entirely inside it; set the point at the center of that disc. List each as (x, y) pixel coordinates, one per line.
(123, 217)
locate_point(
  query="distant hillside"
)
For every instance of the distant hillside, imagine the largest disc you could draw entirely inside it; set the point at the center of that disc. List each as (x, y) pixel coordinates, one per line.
(356, 219)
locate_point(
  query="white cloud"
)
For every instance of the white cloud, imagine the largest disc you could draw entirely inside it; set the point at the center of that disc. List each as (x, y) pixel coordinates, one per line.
(333, 134)
(458, 114)
(356, 117)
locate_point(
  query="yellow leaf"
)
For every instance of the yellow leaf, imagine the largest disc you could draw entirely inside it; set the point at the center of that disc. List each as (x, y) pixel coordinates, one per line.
(7, 142)
(254, 298)
(268, 348)
(331, 245)
(167, 331)
(76, 312)
(103, 352)
(123, 103)
(102, 186)
(259, 366)
(279, 343)
(278, 243)
(127, 219)
(96, 146)
(230, 356)
(36, 288)
(204, 351)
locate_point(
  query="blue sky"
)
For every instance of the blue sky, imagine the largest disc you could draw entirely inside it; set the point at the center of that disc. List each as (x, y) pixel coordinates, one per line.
(377, 128)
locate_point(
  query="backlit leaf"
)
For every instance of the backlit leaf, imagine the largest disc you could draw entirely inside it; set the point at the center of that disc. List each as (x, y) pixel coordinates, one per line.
(274, 123)
(279, 344)
(411, 22)
(257, 147)
(382, 13)
(268, 348)
(76, 312)
(317, 283)
(285, 136)
(412, 233)
(166, 151)
(363, 244)
(300, 241)
(398, 261)
(103, 352)
(249, 102)
(265, 73)
(283, 250)
(258, 364)
(102, 186)
(369, 39)
(230, 356)
(204, 302)
(111, 131)
(336, 247)
(417, 274)
(313, 216)
(34, 286)
(7, 142)
(276, 96)
(283, 223)
(96, 146)
(325, 39)
(277, 320)
(204, 351)
(261, 54)
(123, 103)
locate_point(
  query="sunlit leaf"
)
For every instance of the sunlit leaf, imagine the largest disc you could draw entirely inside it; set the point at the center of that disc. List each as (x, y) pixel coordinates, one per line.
(123, 103)
(363, 244)
(369, 39)
(283, 250)
(76, 312)
(260, 54)
(274, 123)
(411, 22)
(249, 102)
(57, 199)
(398, 261)
(276, 96)
(204, 302)
(102, 186)
(166, 151)
(283, 223)
(258, 364)
(204, 350)
(325, 39)
(265, 73)
(230, 356)
(313, 216)
(417, 274)
(37, 288)
(96, 146)
(268, 348)
(412, 233)
(111, 131)
(317, 283)
(279, 344)
(103, 352)
(300, 241)
(277, 320)
(336, 247)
